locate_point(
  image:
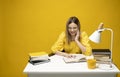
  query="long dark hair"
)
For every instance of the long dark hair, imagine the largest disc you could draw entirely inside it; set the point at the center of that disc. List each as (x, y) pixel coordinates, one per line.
(71, 20)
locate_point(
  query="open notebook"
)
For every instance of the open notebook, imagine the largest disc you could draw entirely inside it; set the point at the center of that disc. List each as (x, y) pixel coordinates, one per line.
(78, 58)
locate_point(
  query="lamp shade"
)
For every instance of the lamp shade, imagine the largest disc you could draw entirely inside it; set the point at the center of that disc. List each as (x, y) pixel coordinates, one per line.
(96, 36)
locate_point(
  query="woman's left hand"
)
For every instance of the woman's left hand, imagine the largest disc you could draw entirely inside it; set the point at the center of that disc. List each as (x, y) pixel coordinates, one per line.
(77, 36)
(70, 56)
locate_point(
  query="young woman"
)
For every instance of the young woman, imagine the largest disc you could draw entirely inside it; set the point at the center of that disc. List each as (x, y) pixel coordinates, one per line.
(72, 41)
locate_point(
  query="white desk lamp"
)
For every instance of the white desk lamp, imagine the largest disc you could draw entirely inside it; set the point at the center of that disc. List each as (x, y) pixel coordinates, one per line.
(96, 37)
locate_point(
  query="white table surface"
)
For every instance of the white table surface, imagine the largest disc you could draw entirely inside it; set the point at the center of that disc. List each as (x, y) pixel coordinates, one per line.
(57, 65)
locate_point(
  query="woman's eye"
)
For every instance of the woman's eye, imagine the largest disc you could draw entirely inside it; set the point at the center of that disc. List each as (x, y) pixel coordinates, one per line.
(72, 28)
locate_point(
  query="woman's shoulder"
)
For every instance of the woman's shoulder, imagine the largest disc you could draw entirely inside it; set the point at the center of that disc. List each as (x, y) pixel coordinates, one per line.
(83, 33)
(62, 34)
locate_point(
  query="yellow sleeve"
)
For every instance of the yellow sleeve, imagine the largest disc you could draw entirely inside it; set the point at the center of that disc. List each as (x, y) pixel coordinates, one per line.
(59, 44)
(85, 42)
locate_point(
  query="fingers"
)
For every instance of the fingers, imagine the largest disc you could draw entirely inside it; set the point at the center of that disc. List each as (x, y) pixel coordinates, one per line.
(71, 56)
(78, 33)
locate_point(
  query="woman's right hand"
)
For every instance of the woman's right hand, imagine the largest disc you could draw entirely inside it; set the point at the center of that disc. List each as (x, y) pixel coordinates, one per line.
(77, 36)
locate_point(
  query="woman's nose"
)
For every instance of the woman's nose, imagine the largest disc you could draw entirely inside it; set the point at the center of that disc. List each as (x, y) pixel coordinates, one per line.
(72, 29)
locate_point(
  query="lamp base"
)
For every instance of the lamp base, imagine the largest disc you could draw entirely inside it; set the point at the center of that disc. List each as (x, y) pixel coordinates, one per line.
(105, 66)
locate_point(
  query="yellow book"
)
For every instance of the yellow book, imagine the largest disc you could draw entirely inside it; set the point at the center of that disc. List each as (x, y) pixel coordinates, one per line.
(38, 57)
(35, 54)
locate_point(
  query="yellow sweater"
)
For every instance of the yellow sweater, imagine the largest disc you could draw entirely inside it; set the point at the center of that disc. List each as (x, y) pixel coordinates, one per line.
(61, 44)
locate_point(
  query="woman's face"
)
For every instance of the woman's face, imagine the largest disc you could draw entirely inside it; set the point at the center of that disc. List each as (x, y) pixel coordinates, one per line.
(72, 28)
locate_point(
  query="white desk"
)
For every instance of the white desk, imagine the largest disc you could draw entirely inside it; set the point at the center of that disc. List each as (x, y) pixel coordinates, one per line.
(58, 68)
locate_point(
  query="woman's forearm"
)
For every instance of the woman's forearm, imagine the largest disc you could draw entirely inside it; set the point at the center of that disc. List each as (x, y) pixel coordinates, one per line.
(61, 53)
(82, 47)
(64, 54)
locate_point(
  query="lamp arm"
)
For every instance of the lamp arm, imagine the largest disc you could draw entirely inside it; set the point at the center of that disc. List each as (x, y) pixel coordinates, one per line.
(111, 46)
(111, 37)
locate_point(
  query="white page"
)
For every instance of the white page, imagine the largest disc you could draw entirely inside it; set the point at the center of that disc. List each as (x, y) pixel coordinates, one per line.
(78, 58)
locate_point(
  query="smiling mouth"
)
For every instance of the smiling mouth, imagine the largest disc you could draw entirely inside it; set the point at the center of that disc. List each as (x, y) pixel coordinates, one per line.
(72, 32)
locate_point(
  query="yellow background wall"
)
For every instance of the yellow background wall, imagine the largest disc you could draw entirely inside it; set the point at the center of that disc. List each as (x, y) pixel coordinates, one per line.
(34, 25)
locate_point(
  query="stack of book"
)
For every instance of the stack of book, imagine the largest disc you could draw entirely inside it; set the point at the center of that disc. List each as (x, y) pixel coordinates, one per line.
(102, 55)
(38, 58)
